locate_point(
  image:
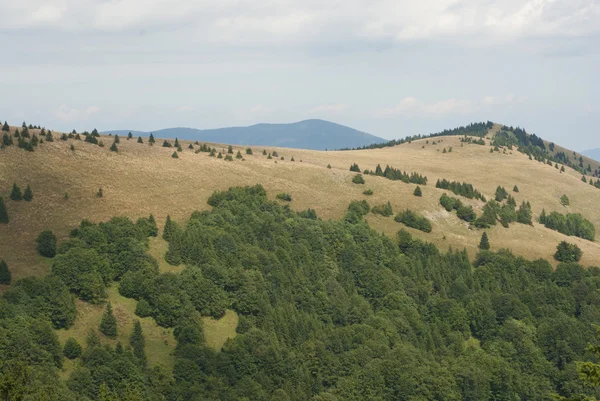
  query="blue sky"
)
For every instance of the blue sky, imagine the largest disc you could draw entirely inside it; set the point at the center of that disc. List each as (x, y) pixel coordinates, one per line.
(390, 68)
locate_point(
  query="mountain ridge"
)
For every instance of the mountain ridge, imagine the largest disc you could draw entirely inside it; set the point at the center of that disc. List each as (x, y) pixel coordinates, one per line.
(314, 134)
(592, 153)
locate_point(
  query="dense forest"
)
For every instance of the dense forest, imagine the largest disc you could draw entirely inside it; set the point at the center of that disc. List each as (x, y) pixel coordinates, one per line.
(328, 310)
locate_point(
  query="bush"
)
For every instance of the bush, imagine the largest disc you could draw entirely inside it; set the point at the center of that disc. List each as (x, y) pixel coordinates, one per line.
(248, 151)
(284, 197)
(175, 155)
(564, 200)
(573, 224)
(368, 192)
(143, 308)
(358, 179)
(5, 274)
(413, 220)
(418, 191)
(466, 213)
(46, 244)
(566, 252)
(114, 148)
(354, 167)
(72, 349)
(384, 210)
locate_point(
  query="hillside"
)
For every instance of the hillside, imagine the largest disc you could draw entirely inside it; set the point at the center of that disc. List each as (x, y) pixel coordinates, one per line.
(592, 153)
(307, 134)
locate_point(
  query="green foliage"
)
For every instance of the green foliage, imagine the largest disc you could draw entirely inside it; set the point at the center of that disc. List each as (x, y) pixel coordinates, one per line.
(46, 244)
(5, 274)
(228, 158)
(169, 228)
(368, 192)
(129, 135)
(140, 140)
(463, 189)
(143, 309)
(358, 179)
(238, 155)
(413, 220)
(484, 243)
(5, 127)
(284, 197)
(249, 151)
(108, 323)
(489, 216)
(354, 167)
(418, 191)
(138, 342)
(230, 149)
(329, 166)
(3, 212)
(566, 252)
(28, 194)
(564, 200)
(151, 138)
(113, 147)
(573, 224)
(116, 139)
(85, 272)
(72, 348)
(384, 210)
(100, 193)
(501, 194)
(515, 189)
(166, 144)
(175, 155)
(177, 145)
(16, 194)
(463, 212)
(356, 211)
(525, 214)
(394, 174)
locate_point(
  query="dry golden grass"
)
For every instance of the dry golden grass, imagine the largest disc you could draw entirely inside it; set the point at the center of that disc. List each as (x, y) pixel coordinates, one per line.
(142, 179)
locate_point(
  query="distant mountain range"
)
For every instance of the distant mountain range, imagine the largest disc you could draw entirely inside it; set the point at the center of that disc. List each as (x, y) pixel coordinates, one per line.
(307, 134)
(592, 153)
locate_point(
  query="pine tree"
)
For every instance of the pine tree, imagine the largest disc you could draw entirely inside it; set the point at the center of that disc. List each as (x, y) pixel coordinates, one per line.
(248, 151)
(191, 146)
(354, 167)
(583, 179)
(3, 212)
(515, 189)
(176, 142)
(151, 139)
(238, 155)
(292, 159)
(72, 349)
(264, 152)
(72, 148)
(114, 148)
(6, 140)
(46, 244)
(5, 127)
(16, 193)
(129, 136)
(230, 149)
(179, 149)
(212, 152)
(564, 200)
(329, 166)
(484, 244)
(168, 229)
(5, 274)
(175, 155)
(108, 323)
(166, 144)
(117, 139)
(269, 157)
(28, 194)
(562, 169)
(418, 191)
(138, 342)
(140, 140)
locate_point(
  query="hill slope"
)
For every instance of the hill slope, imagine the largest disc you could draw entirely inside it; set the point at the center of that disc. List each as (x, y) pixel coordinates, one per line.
(592, 153)
(307, 134)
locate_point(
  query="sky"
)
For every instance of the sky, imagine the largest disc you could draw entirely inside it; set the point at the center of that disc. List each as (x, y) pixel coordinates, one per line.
(387, 67)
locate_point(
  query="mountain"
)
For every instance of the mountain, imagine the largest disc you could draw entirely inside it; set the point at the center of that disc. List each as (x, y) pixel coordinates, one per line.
(307, 134)
(593, 153)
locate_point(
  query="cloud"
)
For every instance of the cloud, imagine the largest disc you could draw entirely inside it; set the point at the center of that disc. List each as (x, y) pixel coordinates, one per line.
(243, 21)
(503, 100)
(329, 108)
(66, 114)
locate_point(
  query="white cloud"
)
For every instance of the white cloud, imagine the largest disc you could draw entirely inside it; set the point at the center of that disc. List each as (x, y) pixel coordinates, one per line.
(503, 100)
(329, 108)
(66, 114)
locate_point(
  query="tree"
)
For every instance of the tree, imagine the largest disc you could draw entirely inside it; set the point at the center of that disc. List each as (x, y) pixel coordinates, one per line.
(138, 342)
(238, 155)
(358, 179)
(5, 127)
(116, 139)
(190, 146)
(354, 167)
(515, 189)
(72, 348)
(566, 252)
(16, 193)
(168, 229)
(108, 323)
(284, 196)
(230, 149)
(484, 244)
(140, 140)
(3, 212)
(248, 151)
(151, 139)
(129, 136)
(99, 194)
(264, 152)
(564, 200)
(175, 155)
(5, 274)
(177, 143)
(143, 308)
(329, 166)
(114, 148)
(28, 194)
(418, 191)
(46, 244)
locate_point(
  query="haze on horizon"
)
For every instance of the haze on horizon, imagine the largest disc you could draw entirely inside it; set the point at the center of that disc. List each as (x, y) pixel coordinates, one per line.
(384, 67)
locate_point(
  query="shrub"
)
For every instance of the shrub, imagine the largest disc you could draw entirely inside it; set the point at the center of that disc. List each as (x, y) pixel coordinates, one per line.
(16, 194)
(99, 194)
(564, 200)
(3, 212)
(418, 191)
(166, 144)
(356, 211)
(229, 158)
(329, 166)
(238, 155)
(284, 197)
(248, 151)
(368, 192)
(384, 210)
(5, 274)
(46, 244)
(413, 220)
(190, 146)
(275, 154)
(117, 140)
(108, 323)
(466, 213)
(358, 179)
(490, 215)
(566, 252)
(72, 349)
(143, 308)
(484, 244)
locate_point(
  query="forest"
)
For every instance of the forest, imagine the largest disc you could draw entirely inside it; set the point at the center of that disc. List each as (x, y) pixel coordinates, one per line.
(328, 310)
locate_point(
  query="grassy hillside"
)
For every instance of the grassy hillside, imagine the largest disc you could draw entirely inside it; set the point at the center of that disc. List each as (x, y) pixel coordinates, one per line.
(142, 179)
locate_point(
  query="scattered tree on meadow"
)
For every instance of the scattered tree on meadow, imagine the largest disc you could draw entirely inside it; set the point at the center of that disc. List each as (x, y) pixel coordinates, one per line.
(16, 194)
(264, 152)
(584, 179)
(248, 151)
(284, 196)
(239, 155)
(151, 138)
(190, 146)
(484, 244)
(515, 189)
(175, 155)
(5, 127)
(292, 159)
(384, 210)
(113, 147)
(275, 154)
(354, 167)
(524, 214)
(501, 194)
(3, 212)
(358, 179)
(179, 149)
(72, 148)
(46, 244)
(117, 139)
(418, 191)
(220, 156)
(166, 144)
(230, 149)
(28, 194)
(566, 252)
(564, 200)
(5, 274)
(168, 229)
(72, 348)
(129, 135)
(108, 323)
(329, 166)
(413, 220)
(140, 140)
(368, 192)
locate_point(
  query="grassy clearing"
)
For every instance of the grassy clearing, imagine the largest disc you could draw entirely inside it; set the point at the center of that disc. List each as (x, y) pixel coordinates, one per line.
(158, 248)
(216, 332)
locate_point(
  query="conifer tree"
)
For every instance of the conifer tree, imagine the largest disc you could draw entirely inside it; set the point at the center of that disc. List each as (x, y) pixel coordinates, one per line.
(264, 152)
(114, 148)
(28, 194)
(99, 194)
(219, 156)
(175, 155)
(562, 169)
(515, 189)
(5, 127)
(191, 146)
(329, 166)
(6, 140)
(3, 212)
(129, 136)
(212, 152)
(46, 244)
(108, 323)
(176, 143)
(140, 140)
(564, 200)
(292, 159)
(168, 229)
(484, 244)
(151, 139)
(179, 149)
(72, 148)
(72, 349)
(248, 151)
(16, 193)
(418, 191)
(230, 149)
(166, 144)
(138, 342)
(117, 139)
(5, 274)
(269, 157)
(238, 155)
